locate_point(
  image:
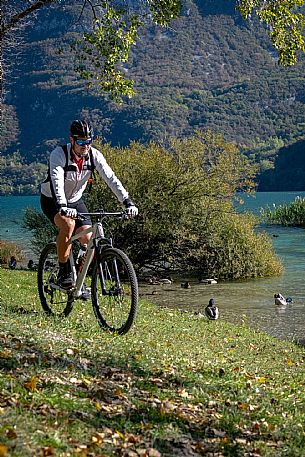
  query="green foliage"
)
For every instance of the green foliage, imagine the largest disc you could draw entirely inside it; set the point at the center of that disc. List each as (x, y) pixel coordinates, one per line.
(8, 249)
(285, 24)
(100, 51)
(239, 251)
(40, 226)
(164, 11)
(187, 221)
(109, 43)
(9, 128)
(19, 178)
(287, 215)
(288, 171)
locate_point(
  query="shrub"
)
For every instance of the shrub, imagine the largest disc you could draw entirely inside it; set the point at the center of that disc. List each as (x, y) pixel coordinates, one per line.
(236, 250)
(40, 226)
(9, 249)
(187, 221)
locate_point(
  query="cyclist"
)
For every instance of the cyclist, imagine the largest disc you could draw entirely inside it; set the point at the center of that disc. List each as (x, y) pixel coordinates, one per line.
(70, 169)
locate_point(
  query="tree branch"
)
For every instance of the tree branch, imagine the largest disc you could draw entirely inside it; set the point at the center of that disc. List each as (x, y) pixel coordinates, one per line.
(23, 14)
(93, 9)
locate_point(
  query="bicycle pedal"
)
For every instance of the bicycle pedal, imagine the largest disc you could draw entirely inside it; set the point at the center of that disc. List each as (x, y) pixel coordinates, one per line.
(86, 294)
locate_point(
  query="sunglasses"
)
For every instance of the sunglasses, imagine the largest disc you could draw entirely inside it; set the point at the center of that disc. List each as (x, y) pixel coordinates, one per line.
(83, 142)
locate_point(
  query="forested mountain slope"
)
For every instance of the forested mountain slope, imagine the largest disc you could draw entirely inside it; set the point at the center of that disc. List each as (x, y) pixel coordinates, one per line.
(210, 69)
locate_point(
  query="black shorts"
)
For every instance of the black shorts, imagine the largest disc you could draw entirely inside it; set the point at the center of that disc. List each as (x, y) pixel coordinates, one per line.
(49, 208)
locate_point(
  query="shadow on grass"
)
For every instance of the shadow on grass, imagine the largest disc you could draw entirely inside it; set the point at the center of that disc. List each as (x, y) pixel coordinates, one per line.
(153, 408)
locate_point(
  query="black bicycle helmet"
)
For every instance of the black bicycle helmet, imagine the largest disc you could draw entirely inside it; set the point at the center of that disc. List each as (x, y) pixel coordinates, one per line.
(81, 129)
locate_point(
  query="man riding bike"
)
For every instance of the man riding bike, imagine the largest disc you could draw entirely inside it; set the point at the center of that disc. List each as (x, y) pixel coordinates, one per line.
(70, 169)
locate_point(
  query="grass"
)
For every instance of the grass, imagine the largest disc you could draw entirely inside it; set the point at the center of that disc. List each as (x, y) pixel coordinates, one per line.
(175, 385)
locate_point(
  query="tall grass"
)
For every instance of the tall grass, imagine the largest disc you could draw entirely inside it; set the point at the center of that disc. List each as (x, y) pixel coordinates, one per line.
(292, 214)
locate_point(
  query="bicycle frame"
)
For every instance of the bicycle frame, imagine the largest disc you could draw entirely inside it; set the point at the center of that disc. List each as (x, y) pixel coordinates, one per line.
(97, 231)
(114, 284)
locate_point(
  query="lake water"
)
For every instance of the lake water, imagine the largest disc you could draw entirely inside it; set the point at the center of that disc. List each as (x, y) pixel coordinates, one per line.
(12, 210)
(250, 300)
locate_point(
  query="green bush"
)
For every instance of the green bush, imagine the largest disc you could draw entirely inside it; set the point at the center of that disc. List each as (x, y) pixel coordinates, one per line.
(187, 221)
(237, 251)
(9, 249)
(40, 226)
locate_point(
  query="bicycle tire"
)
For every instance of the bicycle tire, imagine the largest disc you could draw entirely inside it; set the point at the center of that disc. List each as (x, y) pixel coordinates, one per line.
(53, 301)
(120, 294)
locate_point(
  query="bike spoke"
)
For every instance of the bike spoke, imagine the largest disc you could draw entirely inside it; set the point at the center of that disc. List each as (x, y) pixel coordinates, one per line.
(53, 301)
(115, 292)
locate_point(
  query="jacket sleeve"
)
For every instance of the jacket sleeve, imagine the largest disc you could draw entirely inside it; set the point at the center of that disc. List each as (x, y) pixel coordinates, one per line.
(107, 174)
(57, 175)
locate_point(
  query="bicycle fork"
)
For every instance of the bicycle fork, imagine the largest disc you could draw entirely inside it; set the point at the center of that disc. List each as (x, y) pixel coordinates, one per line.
(112, 275)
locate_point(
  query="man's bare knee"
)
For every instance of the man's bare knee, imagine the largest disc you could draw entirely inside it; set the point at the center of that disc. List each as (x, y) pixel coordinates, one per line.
(85, 238)
(64, 224)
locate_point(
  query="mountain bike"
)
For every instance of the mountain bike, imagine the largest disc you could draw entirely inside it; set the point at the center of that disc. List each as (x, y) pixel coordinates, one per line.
(114, 285)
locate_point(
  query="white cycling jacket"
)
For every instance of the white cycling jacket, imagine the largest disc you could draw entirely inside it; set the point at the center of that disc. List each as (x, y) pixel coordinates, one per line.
(68, 187)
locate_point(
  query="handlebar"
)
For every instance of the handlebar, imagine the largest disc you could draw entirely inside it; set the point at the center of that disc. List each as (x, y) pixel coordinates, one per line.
(101, 214)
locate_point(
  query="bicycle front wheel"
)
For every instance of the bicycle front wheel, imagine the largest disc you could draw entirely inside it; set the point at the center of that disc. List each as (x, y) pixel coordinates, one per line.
(114, 291)
(53, 301)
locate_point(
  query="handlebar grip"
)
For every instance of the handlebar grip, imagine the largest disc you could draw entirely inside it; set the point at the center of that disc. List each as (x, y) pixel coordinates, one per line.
(65, 213)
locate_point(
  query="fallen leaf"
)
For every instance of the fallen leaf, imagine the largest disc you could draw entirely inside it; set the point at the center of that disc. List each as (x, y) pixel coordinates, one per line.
(132, 439)
(86, 382)
(98, 438)
(153, 452)
(243, 406)
(47, 451)
(6, 354)
(98, 405)
(81, 450)
(184, 394)
(3, 450)
(11, 433)
(31, 384)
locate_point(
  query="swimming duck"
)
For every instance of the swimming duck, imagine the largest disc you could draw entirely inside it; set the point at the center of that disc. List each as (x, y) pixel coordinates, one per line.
(211, 310)
(208, 281)
(279, 300)
(185, 285)
(165, 281)
(152, 280)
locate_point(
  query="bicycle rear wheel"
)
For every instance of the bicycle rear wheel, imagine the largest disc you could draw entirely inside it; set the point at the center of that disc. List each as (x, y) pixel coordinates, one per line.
(114, 291)
(53, 301)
